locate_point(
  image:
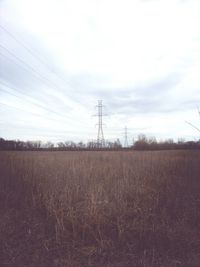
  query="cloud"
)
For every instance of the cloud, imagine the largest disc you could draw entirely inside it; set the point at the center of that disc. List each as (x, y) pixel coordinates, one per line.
(141, 58)
(148, 97)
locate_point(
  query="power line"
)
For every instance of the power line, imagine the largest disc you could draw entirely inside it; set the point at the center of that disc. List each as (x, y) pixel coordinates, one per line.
(35, 55)
(39, 131)
(31, 102)
(118, 129)
(34, 114)
(31, 52)
(63, 117)
(193, 126)
(27, 66)
(43, 79)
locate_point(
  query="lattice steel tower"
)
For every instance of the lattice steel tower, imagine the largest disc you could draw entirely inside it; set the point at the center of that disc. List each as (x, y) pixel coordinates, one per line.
(125, 137)
(100, 135)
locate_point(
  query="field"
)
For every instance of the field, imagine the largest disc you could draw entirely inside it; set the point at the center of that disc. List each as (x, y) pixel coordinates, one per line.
(100, 209)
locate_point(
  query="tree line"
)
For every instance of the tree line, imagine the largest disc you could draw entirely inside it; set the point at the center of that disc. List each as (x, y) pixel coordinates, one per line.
(150, 143)
(67, 145)
(142, 143)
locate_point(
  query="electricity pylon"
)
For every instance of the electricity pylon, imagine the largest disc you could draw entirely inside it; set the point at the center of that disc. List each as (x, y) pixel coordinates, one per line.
(100, 135)
(125, 137)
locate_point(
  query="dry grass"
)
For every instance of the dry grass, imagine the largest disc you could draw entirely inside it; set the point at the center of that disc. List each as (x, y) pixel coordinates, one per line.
(101, 209)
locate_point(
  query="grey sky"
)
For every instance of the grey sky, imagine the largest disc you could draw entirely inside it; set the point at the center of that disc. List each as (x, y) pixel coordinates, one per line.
(142, 58)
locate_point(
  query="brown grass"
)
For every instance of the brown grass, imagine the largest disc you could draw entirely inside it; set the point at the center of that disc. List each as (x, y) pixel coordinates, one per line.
(101, 209)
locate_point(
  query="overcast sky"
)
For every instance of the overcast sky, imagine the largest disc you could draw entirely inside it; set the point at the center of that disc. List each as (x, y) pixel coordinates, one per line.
(58, 57)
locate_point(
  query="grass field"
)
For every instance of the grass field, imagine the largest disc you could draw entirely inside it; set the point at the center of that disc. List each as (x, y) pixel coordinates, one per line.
(100, 209)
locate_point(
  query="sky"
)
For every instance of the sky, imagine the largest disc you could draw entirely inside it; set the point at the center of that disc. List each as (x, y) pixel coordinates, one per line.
(59, 57)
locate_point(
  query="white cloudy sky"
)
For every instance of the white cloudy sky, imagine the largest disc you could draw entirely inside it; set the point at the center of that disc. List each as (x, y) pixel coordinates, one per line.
(58, 57)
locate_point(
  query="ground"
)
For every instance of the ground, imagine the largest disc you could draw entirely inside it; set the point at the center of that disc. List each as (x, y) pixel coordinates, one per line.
(100, 209)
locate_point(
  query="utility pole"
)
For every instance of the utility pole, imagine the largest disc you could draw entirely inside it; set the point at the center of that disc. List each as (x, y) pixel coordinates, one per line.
(100, 135)
(125, 137)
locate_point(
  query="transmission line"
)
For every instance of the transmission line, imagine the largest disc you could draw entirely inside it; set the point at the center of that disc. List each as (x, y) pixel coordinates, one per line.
(34, 114)
(32, 69)
(31, 102)
(31, 52)
(193, 126)
(42, 78)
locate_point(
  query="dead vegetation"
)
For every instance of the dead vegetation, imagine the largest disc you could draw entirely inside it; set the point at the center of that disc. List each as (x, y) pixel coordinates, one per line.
(100, 209)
